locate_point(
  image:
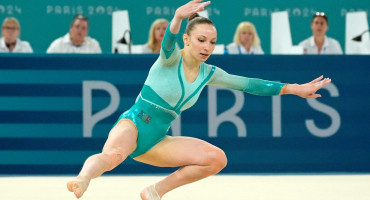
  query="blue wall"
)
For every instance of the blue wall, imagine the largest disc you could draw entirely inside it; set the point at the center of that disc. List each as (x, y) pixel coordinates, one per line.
(43, 21)
(41, 113)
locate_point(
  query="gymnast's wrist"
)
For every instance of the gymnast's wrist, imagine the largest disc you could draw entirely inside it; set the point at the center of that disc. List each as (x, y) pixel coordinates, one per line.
(288, 89)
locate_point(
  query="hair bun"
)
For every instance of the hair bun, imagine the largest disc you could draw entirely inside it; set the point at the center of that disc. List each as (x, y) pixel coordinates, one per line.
(195, 15)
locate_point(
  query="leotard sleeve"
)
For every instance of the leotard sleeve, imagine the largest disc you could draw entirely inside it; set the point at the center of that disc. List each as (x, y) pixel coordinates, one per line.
(250, 85)
(170, 52)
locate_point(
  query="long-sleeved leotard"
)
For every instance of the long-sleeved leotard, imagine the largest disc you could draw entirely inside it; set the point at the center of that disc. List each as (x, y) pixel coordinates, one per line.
(166, 93)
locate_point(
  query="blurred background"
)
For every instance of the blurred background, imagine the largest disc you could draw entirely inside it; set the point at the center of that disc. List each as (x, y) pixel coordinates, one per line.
(43, 21)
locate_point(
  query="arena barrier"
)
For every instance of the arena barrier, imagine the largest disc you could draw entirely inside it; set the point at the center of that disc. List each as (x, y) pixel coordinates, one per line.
(56, 110)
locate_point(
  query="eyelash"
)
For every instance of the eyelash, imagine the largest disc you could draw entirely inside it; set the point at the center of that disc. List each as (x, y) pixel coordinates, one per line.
(200, 40)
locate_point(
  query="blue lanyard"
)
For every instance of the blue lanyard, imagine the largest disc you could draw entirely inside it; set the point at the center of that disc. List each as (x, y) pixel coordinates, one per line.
(240, 50)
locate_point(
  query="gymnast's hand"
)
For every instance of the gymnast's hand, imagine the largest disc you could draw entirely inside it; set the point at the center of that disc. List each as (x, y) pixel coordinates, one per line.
(186, 11)
(190, 8)
(307, 90)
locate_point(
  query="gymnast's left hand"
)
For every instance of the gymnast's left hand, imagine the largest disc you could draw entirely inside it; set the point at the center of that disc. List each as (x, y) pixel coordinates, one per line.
(307, 90)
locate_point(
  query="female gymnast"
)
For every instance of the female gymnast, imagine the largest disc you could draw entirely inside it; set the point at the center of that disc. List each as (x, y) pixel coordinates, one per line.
(173, 84)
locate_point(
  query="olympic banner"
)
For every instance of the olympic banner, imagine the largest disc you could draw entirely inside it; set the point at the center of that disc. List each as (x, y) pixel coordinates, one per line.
(57, 110)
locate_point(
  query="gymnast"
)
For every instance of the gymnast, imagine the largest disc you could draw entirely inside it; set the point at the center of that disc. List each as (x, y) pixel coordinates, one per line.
(173, 85)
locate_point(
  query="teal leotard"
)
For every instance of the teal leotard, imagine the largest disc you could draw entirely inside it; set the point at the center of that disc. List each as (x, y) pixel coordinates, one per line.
(166, 93)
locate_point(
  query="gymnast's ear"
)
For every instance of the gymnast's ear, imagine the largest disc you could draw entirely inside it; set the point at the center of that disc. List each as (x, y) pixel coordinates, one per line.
(186, 38)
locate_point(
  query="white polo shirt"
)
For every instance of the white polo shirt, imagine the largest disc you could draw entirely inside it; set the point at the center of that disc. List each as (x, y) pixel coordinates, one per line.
(65, 45)
(233, 48)
(331, 46)
(20, 47)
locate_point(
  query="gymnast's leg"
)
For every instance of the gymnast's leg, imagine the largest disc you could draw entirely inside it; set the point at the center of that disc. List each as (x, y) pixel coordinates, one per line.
(120, 143)
(198, 159)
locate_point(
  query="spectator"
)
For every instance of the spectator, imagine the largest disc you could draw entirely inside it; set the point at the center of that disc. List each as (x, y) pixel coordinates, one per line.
(319, 43)
(246, 40)
(76, 41)
(10, 42)
(156, 34)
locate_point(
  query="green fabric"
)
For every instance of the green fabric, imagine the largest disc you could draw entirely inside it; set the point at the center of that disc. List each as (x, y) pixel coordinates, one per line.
(250, 85)
(148, 93)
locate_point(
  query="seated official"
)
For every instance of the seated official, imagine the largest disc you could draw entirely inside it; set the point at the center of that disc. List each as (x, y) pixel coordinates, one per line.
(76, 41)
(10, 42)
(156, 34)
(246, 40)
(319, 43)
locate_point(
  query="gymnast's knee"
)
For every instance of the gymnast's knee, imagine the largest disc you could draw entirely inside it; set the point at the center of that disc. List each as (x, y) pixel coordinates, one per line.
(112, 159)
(217, 160)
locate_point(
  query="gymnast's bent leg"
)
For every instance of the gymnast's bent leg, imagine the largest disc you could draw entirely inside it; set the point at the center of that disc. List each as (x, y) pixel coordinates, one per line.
(120, 143)
(196, 158)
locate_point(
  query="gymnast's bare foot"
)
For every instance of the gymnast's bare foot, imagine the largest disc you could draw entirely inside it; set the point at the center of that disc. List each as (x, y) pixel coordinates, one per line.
(150, 193)
(78, 186)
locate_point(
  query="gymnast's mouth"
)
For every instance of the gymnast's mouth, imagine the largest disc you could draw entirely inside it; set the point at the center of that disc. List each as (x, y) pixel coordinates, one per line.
(204, 54)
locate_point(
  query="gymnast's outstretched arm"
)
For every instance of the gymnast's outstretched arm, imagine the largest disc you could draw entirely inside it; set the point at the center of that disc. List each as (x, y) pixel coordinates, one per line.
(267, 88)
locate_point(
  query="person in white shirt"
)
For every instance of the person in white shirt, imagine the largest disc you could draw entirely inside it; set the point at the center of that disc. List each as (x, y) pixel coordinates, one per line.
(246, 40)
(76, 41)
(156, 34)
(10, 42)
(319, 43)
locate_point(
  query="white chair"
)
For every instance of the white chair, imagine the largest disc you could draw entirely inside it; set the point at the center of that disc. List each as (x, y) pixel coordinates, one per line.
(219, 49)
(137, 49)
(357, 25)
(121, 32)
(281, 39)
(203, 13)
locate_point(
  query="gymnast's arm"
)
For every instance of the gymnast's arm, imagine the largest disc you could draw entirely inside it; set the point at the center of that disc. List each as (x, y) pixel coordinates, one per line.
(168, 44)
(244, 84)
(170, 37)
(267, 88)
(169, 47)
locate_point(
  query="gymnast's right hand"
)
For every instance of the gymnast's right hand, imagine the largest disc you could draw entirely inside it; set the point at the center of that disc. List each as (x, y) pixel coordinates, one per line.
(185, 11)
(190, 8)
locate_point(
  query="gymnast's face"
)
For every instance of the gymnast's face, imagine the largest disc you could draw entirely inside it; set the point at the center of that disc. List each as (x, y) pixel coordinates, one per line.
(201, 42)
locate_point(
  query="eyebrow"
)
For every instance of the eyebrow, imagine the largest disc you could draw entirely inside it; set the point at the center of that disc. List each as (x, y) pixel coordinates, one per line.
(319, 21)
(206, 37)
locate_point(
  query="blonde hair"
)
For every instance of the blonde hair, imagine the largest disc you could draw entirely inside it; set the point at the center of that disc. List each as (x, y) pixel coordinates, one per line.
(246, 26)
(11, 20)
(151, 40)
